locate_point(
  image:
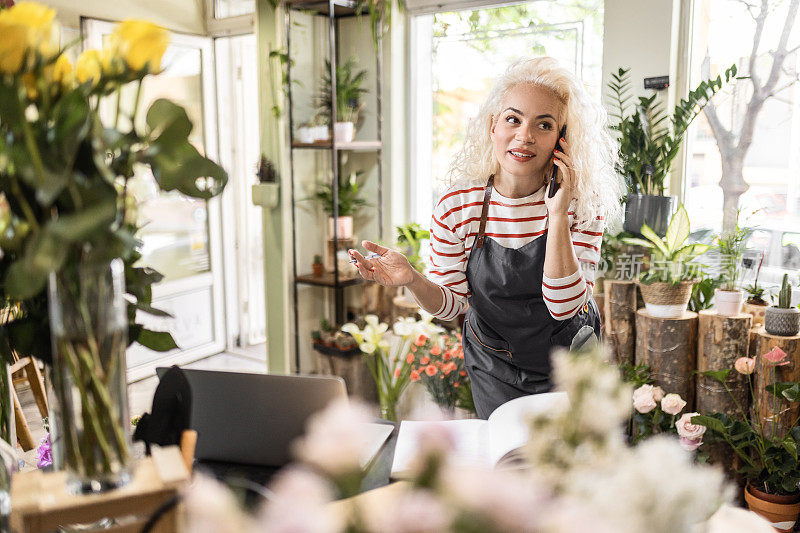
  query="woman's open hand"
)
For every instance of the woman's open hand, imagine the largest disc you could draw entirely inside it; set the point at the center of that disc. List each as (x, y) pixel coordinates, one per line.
(390, 268)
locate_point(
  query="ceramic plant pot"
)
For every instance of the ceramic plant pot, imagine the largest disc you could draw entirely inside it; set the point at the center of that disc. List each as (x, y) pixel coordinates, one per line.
(343, 132)
(647, 209)
(780, 511)
(782, 322)
(757, 310)
(665, 300)
(728, 303)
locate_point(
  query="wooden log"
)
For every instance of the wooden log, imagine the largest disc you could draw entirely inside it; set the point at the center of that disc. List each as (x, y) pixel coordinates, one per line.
(721, 341)
(767, 373)
(753, 346)
(669, 346)
(620, 319)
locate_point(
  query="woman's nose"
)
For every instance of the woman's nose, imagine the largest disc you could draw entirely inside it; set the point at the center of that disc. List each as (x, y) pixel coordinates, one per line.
(525, 135)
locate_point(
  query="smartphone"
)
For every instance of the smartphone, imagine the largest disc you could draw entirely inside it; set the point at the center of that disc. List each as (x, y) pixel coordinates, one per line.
(553, 182)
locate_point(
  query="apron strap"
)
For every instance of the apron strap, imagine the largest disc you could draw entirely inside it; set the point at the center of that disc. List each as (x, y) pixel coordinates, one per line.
(484, 212)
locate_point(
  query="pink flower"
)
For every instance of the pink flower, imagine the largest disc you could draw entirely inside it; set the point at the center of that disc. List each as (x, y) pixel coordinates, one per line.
(431, 370)
(658, 394)
(688, 430)
(414, 375)
(672, 404)
(436, 350)
(775, 356)
(421, 340)
(690, 444)
(44, 454)
(745, 365)
(410, 358)
(643, 399)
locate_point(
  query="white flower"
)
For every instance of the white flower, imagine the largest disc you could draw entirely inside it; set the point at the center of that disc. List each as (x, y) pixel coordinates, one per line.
(410, 511)
(643, 399)
(404, 326)
(372, 320)
(690, 445)
(672, 404)
(353, 330)
(687, 429)
(335, 439)
(730, 519)
(658, 394)
(212, 508)
(367, 347)
(299, 502)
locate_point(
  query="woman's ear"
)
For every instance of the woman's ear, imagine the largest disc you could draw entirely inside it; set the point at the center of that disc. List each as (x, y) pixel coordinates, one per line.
(491, 125)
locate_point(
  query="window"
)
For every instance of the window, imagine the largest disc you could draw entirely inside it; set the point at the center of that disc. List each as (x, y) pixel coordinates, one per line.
(722, 34)
(487, 40)
(233, 8)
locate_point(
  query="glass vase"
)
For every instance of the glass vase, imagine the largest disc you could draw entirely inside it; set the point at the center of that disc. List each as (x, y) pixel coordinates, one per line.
(388, 408)
(88, 325)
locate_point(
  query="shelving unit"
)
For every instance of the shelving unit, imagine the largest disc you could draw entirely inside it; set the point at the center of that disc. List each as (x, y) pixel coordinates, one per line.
(334, 11)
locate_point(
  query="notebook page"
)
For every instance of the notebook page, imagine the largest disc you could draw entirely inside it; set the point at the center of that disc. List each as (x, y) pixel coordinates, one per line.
(469, 436)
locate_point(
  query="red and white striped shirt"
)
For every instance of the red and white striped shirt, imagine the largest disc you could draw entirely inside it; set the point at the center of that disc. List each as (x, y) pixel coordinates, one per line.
(513, 223)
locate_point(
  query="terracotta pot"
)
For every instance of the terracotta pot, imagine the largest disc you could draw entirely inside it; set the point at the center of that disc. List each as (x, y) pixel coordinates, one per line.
(780, 511)
(757, 311)
(728, 303)
(665, 300)
(318, 269)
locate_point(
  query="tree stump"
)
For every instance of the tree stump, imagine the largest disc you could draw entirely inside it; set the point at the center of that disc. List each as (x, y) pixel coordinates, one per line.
(669, 346)
(620, 319)
(766, 373)
(353, 369)
(753, 346)
(721, 341)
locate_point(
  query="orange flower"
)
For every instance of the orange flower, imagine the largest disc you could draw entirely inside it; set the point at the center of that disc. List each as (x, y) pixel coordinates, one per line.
(397, 373)
(410, 358)
(414, 349)
(430, 370)
(414, 375)
(447, 356)
(421, 340)
(463, 373)
(458, 336)
(436, 350)
(456, 384)
(425, 360)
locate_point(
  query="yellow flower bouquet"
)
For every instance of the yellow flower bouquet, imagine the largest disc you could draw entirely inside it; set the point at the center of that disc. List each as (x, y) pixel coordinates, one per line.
(69, 248)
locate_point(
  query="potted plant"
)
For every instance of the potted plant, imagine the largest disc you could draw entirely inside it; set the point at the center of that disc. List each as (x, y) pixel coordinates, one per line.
(348, 98)
(320, 128)
(755, 304)
(409, 238)
(348, 202)
(305, 133)
(649, 140)
(768, 457)
(783, 319)
(730, 245)
(317, 268)
(667, 285)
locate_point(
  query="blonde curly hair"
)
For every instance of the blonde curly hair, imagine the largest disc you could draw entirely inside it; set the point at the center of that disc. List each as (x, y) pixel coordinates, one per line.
(594, 150)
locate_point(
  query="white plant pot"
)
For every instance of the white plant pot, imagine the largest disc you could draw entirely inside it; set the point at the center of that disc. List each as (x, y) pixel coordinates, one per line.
(306, 135)
(665, 311)
(728, 303)
(321, 133)
(344, 227)
(343, 132)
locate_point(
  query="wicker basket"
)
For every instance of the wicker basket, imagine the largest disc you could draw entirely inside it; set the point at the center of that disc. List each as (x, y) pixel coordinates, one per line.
(662, 293)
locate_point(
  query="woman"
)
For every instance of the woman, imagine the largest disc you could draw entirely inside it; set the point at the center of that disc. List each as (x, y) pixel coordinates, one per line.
(524, 259)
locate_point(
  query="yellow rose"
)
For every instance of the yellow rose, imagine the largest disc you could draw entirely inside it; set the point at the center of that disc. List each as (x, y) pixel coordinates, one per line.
(88, 67)
(41, 29)
(141, 44)
(62, 70)
(13, 45)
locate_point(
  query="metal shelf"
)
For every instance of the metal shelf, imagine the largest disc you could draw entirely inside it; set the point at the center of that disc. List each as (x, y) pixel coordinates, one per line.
(354, 146)
(328, 280)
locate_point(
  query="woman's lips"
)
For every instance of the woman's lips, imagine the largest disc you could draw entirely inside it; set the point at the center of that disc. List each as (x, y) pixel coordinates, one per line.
(523, 157)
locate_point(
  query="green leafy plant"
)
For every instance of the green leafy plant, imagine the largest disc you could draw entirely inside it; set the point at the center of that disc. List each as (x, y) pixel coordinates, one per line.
(410, 237)
(317, 259)
(348, 92)
(349, 201)
(669, 254)
(649, 139)
(769, 455)
(703, 293)
(756, 291)
(283, 62)
(731, 246)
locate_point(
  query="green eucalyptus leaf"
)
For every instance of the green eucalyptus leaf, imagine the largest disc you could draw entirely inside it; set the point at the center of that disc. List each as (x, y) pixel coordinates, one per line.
(71, 121)
(82, 224)
(159, 341)
(168, 124)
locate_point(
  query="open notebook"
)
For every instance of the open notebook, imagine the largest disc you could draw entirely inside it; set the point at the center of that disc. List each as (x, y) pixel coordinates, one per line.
(480, 441)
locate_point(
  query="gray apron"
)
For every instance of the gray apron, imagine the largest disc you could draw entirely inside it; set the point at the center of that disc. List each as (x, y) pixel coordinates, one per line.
(508, 331)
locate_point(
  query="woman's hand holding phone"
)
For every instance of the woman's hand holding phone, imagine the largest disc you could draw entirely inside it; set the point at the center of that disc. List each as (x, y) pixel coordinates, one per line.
(560, 189)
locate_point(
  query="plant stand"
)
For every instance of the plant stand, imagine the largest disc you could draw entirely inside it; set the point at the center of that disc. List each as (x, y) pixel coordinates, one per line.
(620, 319)
(351, 367)
(669, 346)
(40, 501)
(765, 374)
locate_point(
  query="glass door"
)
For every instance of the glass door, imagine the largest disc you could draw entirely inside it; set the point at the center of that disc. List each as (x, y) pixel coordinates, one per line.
(181, 236)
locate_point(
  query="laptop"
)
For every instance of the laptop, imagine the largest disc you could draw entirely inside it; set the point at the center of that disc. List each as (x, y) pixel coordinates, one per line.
(253, 419)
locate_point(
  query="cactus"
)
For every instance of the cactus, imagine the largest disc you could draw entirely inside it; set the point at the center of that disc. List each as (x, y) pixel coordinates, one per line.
(785, 296)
